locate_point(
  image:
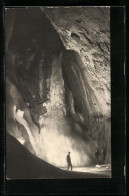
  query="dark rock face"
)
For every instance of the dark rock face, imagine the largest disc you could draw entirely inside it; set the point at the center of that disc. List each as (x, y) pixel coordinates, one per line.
(58, 73)
(29, 57)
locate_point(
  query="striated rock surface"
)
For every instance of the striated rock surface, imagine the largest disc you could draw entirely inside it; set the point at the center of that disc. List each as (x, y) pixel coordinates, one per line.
(86, 30)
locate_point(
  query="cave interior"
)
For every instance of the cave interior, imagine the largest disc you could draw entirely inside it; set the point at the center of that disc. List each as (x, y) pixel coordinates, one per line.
(57, 83)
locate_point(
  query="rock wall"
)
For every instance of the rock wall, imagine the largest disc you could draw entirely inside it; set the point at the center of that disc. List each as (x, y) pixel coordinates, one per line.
(86, 30)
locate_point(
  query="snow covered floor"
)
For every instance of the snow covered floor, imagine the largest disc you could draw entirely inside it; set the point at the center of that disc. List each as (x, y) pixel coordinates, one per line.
(98, 169)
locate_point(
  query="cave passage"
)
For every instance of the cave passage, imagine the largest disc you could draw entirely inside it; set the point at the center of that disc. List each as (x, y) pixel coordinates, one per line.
(51, 107)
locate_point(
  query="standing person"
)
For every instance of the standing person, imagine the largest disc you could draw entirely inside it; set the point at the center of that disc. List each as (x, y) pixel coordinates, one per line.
(97, 156)
(69, 161)
(104, 153)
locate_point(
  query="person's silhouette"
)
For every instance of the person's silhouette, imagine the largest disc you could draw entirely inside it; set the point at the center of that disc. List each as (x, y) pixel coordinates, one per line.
(69, 161)
(97, 156)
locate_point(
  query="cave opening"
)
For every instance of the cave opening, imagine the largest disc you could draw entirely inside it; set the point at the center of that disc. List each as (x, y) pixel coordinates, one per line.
(49, 102)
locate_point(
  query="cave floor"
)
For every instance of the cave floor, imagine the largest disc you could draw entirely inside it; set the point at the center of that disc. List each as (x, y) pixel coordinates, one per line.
(98, 169)
(21, 164)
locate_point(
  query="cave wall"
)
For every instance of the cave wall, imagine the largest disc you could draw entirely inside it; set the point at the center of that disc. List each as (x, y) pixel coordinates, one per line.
(85, 33)
(47, 52)
(30, 47)
(86, 30)
(29, 58)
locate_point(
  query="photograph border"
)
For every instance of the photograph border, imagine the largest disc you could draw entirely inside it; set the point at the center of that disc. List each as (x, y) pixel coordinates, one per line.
(116, 184)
